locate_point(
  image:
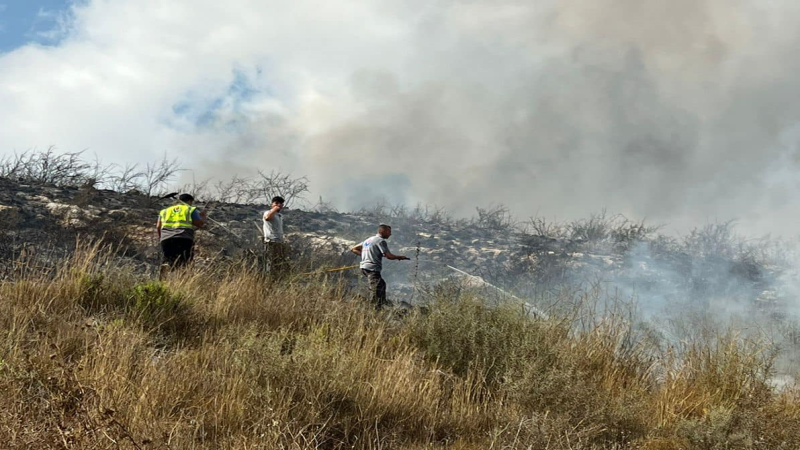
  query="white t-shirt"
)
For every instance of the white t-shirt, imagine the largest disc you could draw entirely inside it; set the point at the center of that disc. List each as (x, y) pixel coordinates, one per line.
(273, 228)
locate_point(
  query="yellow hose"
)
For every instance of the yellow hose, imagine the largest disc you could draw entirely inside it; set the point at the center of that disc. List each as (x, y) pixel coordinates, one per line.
(338, 269)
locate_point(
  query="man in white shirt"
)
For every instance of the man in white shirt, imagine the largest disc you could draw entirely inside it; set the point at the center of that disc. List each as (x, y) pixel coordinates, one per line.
(277, 251)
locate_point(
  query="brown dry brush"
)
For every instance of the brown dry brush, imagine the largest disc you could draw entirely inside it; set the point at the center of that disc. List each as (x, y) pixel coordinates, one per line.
(94, 356)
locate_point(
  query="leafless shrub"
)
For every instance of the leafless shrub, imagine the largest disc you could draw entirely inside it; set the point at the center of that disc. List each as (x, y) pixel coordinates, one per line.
(235, 190)
(496, 217)
(594, 229)
(157, 175)
(48, 167)
(426, 214)
(399, 210)
(98, 174)
(667, 248)
(277, 183)
(625, 230)
(323, 206)
(71, 170)
(126, 178)
(725, 262)
(432, 214)
(11, 166)
(200, 190)
(615, 229)
(624, 233)
(380, 209)
(718, 240)
(261, 189)
(541, 227)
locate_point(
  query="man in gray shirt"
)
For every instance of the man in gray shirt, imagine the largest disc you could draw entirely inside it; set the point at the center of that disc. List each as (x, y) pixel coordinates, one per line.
(372, 251)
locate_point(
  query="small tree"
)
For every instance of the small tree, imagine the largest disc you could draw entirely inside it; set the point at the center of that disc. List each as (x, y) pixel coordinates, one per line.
(281, 184)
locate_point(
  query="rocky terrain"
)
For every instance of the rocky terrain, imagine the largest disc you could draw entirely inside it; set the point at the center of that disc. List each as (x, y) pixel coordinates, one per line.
(41, 223)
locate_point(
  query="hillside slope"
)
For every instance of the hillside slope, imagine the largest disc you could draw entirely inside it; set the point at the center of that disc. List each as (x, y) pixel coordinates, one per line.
(95, 354)
(42, 223)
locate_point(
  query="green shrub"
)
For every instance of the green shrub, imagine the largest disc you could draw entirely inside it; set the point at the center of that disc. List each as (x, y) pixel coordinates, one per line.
(157, 307)
(153, 296)
(714, 431)
(467, 335)
(90, 288)
(98, 294)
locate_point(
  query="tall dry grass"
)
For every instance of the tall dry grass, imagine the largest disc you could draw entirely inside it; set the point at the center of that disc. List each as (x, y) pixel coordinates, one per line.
(94, 356)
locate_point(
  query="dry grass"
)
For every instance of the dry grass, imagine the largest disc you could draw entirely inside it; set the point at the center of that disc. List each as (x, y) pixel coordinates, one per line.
(92, 356)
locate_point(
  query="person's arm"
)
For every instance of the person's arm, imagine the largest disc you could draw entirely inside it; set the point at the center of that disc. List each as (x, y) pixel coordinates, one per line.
(394, 257)
(199, 218)
(158, 227)
(357, 249)
(272, 212)
(388, 254)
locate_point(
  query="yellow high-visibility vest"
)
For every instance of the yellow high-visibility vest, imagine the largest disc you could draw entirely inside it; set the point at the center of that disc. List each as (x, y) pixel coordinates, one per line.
(178, 216)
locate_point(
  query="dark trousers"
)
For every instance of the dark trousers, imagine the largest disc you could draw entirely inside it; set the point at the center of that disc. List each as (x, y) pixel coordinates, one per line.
(377, 288)
(277, 254)
(177, 252)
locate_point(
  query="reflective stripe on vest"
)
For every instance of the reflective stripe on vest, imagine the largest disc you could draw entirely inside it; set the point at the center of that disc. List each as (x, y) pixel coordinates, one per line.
(178, 216)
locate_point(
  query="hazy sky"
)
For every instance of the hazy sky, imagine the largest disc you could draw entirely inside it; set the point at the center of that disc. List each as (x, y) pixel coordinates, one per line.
(680, 111)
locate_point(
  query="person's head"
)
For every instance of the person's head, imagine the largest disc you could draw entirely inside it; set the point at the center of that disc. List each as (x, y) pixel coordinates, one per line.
(186, 198)
(384, 231)
(277, 201)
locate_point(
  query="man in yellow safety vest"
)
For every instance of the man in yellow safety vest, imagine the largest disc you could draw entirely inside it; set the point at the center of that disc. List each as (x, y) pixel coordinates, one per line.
(176, 226)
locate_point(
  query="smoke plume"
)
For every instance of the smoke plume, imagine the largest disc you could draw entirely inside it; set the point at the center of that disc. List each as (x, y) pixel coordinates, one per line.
(681, 112)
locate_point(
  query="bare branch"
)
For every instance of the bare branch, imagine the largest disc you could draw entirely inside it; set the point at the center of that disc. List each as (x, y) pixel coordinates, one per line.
(157, 175)
(279, 184)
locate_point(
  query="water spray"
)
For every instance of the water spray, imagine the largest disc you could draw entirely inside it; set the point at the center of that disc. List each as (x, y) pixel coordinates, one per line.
(536, 311)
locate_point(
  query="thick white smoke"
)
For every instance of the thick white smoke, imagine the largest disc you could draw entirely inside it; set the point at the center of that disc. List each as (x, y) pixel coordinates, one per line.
(679, 111)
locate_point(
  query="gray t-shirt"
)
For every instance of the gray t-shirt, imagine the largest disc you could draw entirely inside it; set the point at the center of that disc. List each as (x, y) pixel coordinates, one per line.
(273, 228)
(372, 252)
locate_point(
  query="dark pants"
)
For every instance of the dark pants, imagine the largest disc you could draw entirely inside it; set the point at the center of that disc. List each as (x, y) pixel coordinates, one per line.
(177, 252)
(377, 288)
(277, 254)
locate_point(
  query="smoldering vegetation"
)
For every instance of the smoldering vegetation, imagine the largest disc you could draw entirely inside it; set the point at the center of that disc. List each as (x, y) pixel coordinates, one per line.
(650, 341)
